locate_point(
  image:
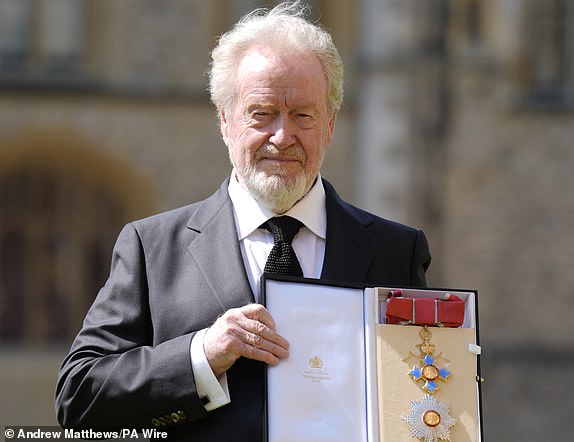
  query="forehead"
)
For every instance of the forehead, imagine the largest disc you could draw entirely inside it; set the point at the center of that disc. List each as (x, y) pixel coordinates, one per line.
(264, 73)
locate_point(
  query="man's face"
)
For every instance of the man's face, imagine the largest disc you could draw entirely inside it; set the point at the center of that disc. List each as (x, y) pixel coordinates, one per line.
(278, 128)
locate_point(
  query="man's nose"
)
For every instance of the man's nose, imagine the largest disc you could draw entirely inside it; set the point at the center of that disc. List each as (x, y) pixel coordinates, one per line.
(282, 132)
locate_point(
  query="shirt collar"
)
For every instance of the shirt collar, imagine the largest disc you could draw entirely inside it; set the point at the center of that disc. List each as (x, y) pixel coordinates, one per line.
(249, 214)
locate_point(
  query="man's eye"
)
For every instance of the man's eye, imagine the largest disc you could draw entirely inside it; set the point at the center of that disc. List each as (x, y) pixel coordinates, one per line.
(305, 120)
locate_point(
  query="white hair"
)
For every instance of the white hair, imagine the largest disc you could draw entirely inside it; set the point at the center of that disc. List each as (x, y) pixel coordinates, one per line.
(285, 29)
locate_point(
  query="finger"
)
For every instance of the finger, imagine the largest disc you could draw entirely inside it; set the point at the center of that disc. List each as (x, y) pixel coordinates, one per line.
(260, 323)
(258, 354)
(259, 313)
(270, 335)
(222, 350)
(267, 341)
(235, 334)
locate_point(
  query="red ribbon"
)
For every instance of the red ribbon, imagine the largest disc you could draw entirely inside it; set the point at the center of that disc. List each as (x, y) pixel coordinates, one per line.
(447, 311)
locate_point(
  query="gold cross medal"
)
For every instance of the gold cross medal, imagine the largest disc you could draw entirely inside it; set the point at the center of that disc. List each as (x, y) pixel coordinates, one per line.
(429, 419)
(429, 372)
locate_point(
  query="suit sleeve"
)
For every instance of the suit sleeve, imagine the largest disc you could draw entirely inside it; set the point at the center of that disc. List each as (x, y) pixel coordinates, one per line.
(420, 261)
(114, 375)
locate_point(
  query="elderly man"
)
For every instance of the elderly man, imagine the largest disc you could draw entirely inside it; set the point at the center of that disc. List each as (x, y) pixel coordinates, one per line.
(176, 338)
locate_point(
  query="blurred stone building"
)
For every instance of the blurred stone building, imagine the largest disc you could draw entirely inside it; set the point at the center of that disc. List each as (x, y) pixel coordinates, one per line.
(457, 119)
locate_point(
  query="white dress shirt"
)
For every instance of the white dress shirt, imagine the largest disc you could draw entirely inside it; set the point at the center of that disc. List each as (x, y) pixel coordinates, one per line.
(255, 244)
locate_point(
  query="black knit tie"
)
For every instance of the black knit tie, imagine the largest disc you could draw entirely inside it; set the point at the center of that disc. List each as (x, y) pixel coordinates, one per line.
(282, 259)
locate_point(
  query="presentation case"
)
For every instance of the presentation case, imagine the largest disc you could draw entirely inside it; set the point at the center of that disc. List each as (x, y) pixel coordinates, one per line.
(351, 376)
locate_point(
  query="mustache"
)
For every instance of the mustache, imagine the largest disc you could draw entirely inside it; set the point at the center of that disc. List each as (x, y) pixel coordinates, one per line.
(268, 150)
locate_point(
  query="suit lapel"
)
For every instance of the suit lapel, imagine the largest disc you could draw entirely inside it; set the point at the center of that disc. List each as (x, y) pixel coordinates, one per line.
(350, 247)
(215, 247)
(216, 251)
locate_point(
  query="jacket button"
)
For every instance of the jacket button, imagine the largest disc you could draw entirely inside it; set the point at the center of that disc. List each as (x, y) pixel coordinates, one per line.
(174, 418)
(155, 422)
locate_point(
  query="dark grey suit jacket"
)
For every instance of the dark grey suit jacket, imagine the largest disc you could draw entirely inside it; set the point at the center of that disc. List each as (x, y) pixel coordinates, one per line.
(173, 274)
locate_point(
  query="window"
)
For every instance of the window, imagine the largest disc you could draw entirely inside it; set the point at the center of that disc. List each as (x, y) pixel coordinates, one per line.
(56, 235)
(61, 210)
(15, 30)
(41, 38)
(549, 52)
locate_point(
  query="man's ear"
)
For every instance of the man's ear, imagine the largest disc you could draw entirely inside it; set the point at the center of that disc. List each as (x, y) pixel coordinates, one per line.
(331, 128)
(223, 126)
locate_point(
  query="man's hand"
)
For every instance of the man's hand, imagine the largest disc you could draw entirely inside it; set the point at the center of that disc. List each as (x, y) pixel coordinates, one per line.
(248, 331)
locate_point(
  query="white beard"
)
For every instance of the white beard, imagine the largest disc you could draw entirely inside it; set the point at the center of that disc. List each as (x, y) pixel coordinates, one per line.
(275, 192)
